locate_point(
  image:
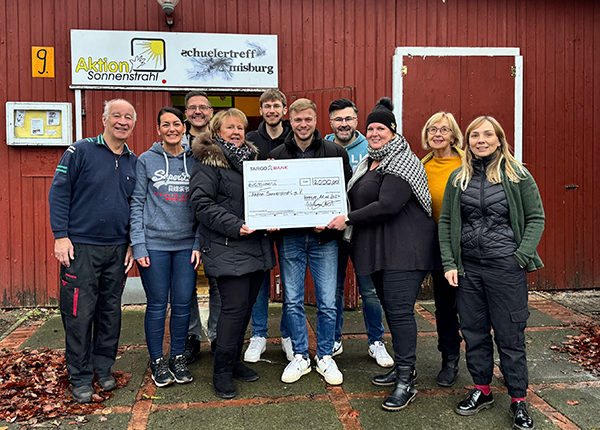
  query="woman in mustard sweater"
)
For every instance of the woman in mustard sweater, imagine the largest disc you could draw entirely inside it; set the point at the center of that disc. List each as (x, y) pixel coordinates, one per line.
(443, 137)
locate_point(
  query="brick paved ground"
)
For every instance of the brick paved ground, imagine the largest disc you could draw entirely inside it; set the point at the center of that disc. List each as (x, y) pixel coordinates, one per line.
(561, 395)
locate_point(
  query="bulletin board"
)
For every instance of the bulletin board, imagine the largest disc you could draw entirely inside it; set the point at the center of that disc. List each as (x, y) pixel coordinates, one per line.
(39, 124)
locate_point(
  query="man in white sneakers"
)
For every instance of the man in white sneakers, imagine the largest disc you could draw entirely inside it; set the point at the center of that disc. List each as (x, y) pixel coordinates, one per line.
(312, 247)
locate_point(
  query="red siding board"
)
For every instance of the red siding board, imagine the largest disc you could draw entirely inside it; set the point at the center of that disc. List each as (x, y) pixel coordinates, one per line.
(39, 254)
(588, 178)
(5, 276)
(594, 128)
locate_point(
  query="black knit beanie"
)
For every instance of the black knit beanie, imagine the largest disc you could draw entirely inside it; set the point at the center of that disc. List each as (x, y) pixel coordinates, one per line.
(383, 113)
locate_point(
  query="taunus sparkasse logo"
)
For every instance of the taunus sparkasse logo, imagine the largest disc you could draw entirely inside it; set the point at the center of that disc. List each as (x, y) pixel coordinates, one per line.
(148, 59)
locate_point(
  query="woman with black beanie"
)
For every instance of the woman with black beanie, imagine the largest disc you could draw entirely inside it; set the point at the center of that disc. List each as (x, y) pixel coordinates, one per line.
(395, 239)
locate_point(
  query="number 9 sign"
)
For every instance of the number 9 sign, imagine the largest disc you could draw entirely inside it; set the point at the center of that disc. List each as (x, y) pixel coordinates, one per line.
(42, 62)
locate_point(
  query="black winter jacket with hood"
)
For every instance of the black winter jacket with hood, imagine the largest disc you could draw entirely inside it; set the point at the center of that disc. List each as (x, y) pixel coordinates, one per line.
(217, 199)
(321, 149)
(263, 142)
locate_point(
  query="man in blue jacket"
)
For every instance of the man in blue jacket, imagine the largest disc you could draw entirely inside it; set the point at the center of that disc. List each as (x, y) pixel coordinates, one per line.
(89, 215)
(343, 117)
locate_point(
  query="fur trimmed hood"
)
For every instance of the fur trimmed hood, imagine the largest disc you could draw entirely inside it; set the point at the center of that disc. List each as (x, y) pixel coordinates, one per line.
(207, 152)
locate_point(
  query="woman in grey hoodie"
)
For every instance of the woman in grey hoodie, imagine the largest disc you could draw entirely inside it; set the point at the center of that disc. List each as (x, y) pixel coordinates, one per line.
(166, 244)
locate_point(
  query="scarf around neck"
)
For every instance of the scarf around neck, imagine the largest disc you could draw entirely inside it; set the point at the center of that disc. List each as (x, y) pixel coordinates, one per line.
(236, 155)
(397, 159)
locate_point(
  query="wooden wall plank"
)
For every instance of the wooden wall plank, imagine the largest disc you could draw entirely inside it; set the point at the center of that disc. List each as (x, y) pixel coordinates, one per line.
(39, 257)
(594, 127)
(338, 55)
(587, 172)
(5, 249)
(579, 151)
(352, 66)
(15, 68)
(545, 118)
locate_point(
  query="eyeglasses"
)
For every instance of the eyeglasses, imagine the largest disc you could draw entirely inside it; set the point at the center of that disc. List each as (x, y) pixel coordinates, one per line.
(340, 120)
(444, 130)
(203, 108)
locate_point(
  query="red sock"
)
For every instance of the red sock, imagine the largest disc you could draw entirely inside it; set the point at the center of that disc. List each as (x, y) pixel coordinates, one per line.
(517, 399)
(485, 389)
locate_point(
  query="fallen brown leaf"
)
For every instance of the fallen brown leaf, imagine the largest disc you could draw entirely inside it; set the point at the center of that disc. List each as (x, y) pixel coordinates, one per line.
(34, 386)
(572, 402)
(584, 348)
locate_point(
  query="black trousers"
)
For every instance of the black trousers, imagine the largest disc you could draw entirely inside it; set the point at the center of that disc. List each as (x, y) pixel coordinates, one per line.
(90, 306)
(446, 315)
(493, 295)
(238, 294)
(397, 291)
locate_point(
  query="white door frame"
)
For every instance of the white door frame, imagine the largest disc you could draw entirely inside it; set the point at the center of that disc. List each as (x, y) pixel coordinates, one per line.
(434, 51)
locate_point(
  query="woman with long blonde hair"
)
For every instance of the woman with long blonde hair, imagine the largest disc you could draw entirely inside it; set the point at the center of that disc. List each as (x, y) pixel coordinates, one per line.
(491, 222)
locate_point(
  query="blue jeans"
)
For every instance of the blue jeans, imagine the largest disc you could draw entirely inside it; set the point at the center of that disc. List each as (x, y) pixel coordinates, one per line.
(260, 312)
(297, 252)
(169, 273)
(372, 310)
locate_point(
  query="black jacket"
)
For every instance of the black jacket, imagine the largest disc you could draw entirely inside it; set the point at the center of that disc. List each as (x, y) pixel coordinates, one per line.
(486, 231)
(322, 149)
(263, 142)
(391, 229)
(217, 199)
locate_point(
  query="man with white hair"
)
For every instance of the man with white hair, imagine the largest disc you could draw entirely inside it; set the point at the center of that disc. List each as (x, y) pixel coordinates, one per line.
(89, 215)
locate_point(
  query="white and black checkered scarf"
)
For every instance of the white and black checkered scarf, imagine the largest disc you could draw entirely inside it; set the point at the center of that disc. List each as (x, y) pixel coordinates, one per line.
(237, 155)
(397, 159)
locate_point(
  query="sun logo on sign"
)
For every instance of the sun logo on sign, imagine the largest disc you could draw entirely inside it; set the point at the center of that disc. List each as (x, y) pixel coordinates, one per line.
(155, 49)
(149, 55)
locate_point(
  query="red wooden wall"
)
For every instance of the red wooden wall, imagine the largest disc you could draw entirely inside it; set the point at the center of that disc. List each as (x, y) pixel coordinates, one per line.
(325, 47)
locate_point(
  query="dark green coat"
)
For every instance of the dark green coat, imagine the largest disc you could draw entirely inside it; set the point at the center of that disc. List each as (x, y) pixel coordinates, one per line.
(526, 218)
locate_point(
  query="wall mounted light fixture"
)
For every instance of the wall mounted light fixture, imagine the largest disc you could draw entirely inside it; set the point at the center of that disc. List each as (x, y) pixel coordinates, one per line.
(168, 7)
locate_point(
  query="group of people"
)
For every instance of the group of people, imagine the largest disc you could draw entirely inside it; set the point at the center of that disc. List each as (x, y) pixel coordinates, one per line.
(471, 218)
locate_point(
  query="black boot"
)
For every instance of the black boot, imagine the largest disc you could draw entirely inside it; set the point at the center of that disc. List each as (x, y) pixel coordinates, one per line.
(389, 378)
(404, 392)
(241, 372)
(447, 376)
(385, 379)
(223, 373)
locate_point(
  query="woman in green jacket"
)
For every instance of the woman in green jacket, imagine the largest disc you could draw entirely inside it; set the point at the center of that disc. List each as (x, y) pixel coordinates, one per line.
(491, 222)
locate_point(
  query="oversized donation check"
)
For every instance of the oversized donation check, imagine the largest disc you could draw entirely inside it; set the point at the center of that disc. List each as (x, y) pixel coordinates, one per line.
(293, 193)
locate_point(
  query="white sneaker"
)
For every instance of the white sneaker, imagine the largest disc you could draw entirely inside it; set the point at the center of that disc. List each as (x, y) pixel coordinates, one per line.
(298, 367)
(286, 346)
(379, 353)
(328, 369)
(337, 348)
(257, 346)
